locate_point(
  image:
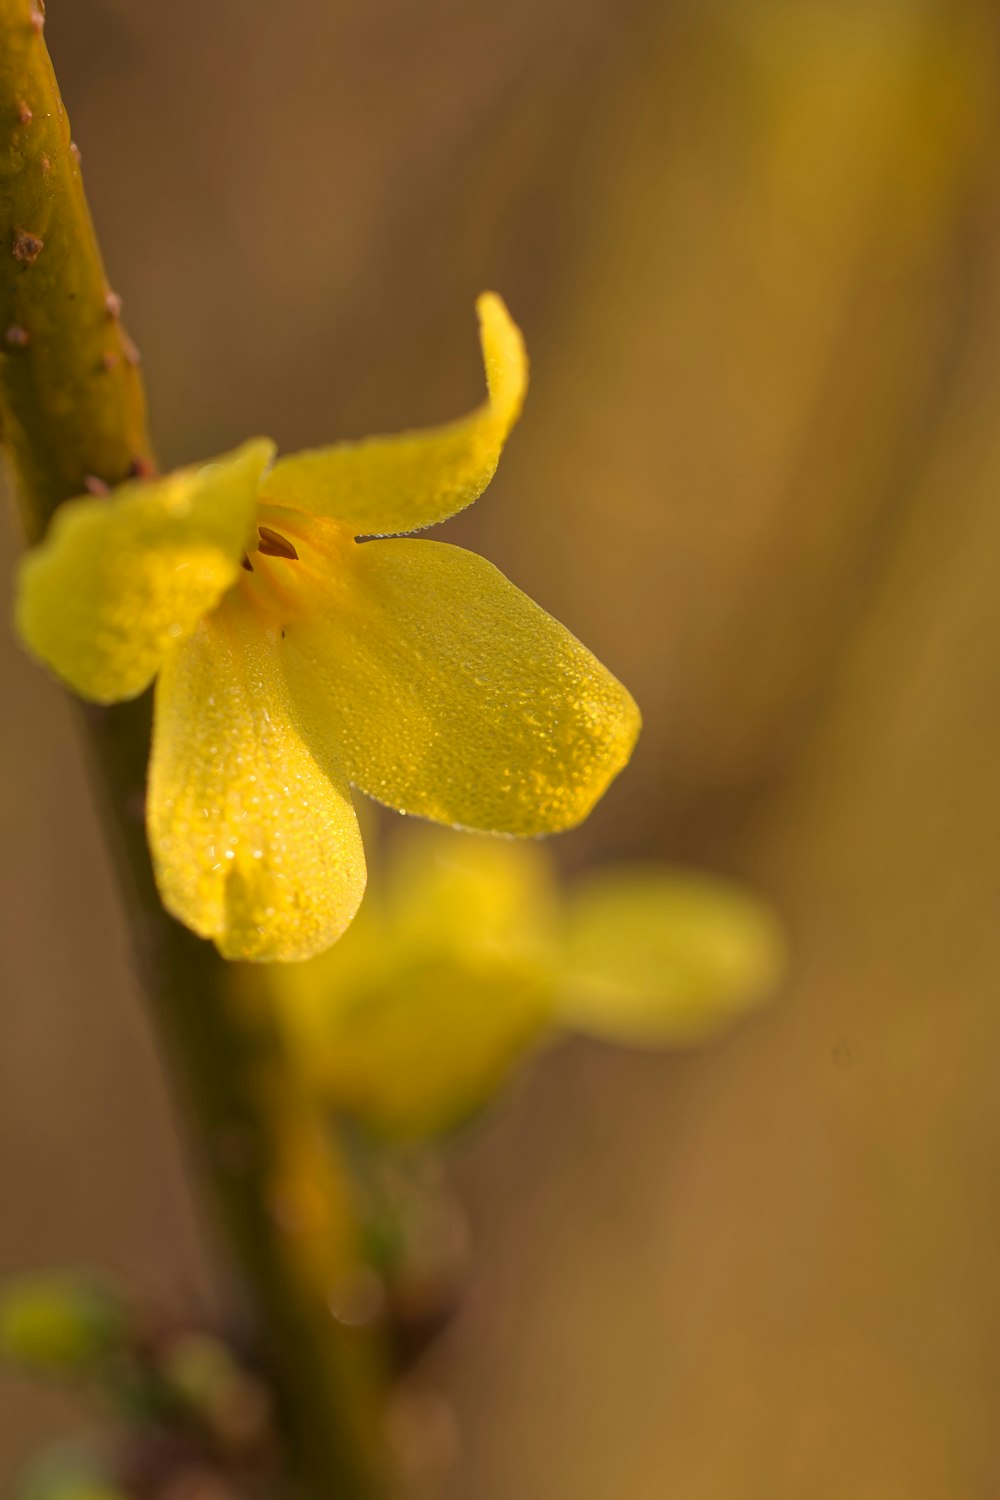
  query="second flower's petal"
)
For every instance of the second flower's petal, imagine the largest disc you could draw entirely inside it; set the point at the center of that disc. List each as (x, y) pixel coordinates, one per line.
(118, 582)
(253, 834)
(451, 694)
(386, 485)
(653, 955)
(444, 983)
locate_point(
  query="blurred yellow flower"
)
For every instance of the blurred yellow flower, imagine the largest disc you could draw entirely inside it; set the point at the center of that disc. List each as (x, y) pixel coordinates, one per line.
(467, 957)
(293, 662)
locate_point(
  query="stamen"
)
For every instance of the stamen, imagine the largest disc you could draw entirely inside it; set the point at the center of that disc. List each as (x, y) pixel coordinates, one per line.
(246, 563)
(273, 544)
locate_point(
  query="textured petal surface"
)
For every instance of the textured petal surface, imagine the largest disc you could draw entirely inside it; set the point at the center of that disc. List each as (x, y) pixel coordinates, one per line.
(450, 694)
(386, 485)
(118, 582)
(656, 955)
(253, 834)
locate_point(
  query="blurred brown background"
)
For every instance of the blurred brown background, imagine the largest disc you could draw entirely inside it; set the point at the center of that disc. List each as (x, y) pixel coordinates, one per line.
(755, 248)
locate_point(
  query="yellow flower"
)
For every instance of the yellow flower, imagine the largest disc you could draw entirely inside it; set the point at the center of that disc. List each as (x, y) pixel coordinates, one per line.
(293, 662)
(468, 957)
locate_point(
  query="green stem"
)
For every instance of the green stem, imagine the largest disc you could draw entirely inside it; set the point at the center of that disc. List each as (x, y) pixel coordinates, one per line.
(73, 404)
(73, 416)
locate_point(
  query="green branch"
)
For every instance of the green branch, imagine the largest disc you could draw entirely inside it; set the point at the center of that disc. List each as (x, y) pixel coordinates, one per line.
(73, 404)
(72, 411)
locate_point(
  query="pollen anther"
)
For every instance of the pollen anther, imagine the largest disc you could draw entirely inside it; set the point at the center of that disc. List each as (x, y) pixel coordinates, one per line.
(273, 544)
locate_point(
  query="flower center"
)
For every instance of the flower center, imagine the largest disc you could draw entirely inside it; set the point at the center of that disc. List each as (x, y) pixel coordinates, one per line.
(296, 561)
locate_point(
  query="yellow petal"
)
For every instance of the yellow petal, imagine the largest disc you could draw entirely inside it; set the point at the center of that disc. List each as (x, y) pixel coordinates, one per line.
(119, 582)
(656, 955)
(386, 485)
(467, 891)
(254, 838)
(450, 694)
(412, 1023)
(419, 1055)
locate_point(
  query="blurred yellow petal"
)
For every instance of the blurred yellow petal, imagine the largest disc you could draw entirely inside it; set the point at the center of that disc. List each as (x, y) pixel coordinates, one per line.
(425, 1050)
(120, 582)
(467, 891)
(443, 983)
(654, 955)
(254, 838)
(386, 485)
(450, 694)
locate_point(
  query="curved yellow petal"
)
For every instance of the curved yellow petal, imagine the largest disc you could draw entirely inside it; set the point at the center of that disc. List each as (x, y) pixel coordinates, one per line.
(254, 839)
(450, 694)
(654, 955)
(119, 582)
(385, 485)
